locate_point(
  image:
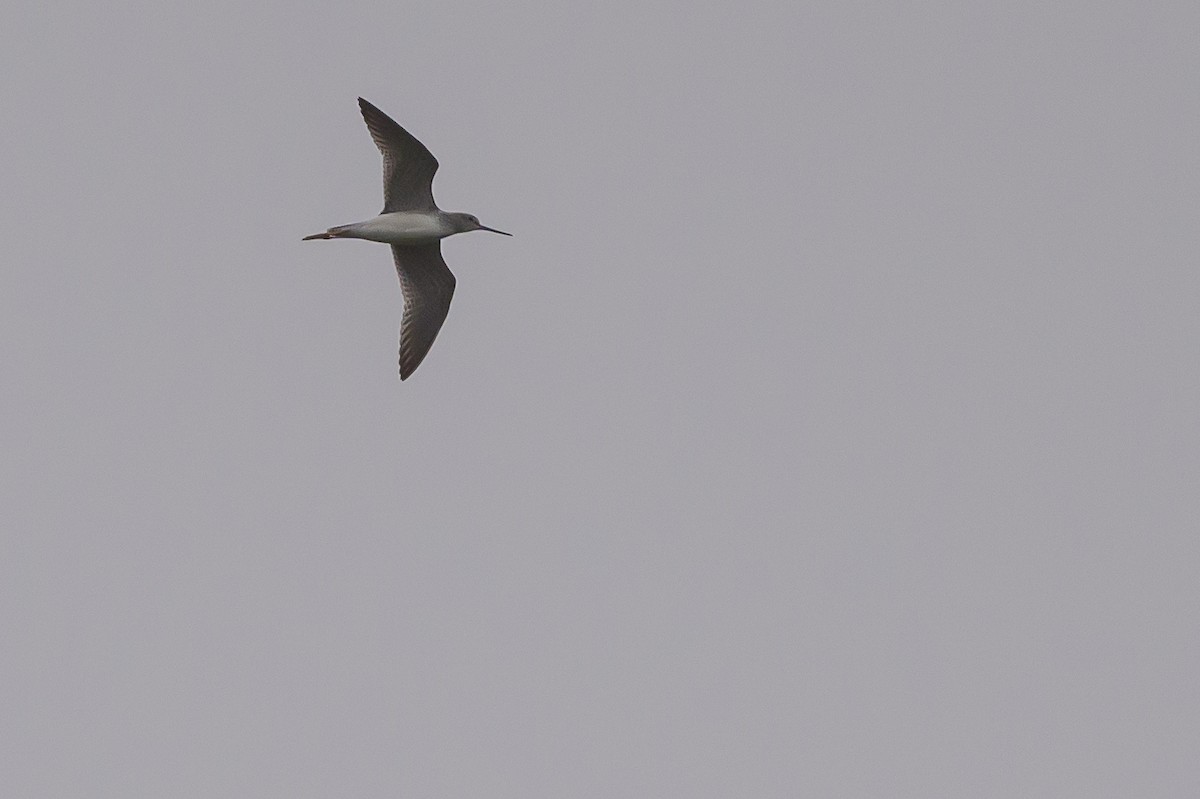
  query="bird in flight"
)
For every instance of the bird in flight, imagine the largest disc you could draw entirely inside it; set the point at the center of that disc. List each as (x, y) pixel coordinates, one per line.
(413, 224)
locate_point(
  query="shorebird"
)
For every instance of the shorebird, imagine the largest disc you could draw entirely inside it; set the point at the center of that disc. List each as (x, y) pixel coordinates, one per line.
(413, 224)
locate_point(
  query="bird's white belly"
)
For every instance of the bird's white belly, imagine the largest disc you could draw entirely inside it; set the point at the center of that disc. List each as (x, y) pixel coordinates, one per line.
(403, 227)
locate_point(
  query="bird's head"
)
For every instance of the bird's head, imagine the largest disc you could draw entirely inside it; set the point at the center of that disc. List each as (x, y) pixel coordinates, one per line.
(464, 223)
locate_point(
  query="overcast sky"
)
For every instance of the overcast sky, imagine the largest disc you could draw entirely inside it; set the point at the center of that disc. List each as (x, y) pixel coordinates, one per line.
(828, 428)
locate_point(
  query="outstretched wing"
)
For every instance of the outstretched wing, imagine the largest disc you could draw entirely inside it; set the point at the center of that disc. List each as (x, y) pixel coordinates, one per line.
(428, 286)
(408, 168)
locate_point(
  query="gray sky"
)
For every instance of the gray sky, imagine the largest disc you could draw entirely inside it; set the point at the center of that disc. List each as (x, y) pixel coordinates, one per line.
(829, 428)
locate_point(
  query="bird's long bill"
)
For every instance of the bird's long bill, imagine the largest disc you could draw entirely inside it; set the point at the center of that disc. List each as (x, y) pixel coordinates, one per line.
(493, 230)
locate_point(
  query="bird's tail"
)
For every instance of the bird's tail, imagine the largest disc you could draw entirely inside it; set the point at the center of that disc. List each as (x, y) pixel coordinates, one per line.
(332, 233)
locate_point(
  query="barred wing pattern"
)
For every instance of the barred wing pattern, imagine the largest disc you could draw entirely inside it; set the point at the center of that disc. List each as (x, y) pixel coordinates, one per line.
(408, 167)
(428, 287)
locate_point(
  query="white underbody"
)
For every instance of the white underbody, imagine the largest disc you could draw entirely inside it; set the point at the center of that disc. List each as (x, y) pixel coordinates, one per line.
(401, 227)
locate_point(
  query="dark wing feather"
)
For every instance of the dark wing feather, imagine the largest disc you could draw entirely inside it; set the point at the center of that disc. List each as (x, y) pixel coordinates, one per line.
(428, 286)
(408, 168)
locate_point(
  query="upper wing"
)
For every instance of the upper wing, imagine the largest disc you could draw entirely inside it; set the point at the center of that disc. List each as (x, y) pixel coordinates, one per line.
(408, 168)
(428, 287)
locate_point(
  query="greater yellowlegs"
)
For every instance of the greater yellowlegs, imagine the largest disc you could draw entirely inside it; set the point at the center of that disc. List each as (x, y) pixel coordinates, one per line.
(413, 224)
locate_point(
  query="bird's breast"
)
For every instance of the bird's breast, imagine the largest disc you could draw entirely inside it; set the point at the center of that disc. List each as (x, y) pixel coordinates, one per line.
(403, 227)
